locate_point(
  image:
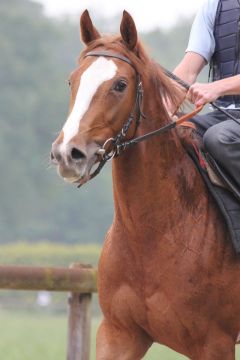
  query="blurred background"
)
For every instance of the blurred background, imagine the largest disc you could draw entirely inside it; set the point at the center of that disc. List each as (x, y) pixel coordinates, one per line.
(42, 220)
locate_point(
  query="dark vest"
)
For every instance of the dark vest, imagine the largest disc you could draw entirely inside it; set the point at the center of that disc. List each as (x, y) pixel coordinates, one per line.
(226, 58)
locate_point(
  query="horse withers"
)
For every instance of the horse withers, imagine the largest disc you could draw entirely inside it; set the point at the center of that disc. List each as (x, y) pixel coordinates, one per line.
(167, 271)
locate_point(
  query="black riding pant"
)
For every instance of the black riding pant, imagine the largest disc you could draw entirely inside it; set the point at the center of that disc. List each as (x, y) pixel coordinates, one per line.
(221, 139)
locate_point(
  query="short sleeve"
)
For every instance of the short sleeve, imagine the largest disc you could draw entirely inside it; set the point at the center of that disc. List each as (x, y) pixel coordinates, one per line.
(201, 40)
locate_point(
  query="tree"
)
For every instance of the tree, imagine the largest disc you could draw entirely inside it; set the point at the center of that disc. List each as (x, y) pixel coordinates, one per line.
(37, 54)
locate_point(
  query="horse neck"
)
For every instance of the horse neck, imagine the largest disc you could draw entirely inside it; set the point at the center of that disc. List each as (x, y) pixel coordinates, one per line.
(149, 180)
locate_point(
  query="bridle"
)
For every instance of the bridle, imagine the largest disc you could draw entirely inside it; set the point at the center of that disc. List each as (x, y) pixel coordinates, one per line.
(118, 145)
(117, 142)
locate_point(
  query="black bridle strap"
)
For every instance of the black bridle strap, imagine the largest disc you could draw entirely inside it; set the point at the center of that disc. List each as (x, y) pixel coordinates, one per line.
(226, 113)
(111, 55)
(175, 78)
(123, 146)
(160, 131)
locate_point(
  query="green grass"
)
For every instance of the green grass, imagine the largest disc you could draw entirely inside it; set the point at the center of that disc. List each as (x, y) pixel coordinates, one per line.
(28, 336)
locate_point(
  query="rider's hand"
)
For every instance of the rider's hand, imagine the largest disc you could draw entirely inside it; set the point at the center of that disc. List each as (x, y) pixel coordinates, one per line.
(200, 94)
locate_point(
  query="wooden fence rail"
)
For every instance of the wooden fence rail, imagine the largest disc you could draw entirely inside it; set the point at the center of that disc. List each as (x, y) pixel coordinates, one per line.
(79, 280)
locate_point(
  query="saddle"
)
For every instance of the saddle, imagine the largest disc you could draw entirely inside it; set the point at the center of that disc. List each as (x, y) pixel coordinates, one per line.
(223, 189)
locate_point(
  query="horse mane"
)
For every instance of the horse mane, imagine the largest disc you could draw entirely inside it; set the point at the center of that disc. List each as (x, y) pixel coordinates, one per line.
(164, 89)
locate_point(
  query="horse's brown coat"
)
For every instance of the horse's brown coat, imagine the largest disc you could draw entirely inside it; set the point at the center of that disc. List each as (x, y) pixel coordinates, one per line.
(167, 272)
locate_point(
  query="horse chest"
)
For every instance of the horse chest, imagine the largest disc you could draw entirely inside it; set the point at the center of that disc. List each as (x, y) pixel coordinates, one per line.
(163, 322)
(130, 308)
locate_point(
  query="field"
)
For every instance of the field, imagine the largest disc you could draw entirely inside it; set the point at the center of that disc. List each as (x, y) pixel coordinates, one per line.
(38, 336)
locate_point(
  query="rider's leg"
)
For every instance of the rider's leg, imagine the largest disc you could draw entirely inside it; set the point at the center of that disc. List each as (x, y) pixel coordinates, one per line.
(205, 121)
(222, 141)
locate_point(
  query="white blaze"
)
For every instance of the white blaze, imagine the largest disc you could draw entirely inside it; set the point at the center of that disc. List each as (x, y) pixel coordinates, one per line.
(98, 72)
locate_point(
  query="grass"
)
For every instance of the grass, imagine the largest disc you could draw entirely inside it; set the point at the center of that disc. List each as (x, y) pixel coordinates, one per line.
(26, 336)
(38, 336)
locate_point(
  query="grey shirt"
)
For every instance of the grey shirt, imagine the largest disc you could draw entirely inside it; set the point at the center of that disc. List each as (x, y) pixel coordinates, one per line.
(201, 39)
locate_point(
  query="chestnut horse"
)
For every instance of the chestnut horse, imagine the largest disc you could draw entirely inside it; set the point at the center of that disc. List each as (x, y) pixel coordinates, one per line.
(167, 272)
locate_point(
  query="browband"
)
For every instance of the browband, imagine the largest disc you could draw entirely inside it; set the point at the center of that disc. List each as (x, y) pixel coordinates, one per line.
(112, 55)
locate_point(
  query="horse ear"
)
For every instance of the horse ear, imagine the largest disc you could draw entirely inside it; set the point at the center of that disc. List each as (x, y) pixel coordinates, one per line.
(88, 31)
(128, 30)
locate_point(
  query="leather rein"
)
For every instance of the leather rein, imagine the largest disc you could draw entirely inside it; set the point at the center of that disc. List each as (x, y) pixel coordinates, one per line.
(118, 145)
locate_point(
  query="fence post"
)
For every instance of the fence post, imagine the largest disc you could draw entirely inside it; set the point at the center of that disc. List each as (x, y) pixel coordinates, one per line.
(79, 324)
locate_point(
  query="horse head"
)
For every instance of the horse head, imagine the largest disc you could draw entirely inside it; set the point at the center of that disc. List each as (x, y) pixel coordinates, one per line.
(103, 94)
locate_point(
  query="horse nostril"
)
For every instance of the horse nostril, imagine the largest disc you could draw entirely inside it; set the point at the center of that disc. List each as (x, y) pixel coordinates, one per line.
(77, 154)
(55, 155)
(53, 159)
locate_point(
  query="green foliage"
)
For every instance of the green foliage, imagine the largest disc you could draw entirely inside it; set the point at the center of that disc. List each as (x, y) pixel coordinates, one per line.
(168, 46)
(48, 254)
(37, 54)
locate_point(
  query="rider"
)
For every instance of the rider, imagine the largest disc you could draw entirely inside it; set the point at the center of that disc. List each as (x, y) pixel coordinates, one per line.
(215, 39)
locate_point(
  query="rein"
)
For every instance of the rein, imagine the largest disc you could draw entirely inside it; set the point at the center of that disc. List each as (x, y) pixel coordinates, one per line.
(160, 131)
(117, 143)
(187, 87)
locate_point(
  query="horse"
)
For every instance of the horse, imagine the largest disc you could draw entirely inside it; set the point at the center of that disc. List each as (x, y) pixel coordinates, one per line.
(167, 272)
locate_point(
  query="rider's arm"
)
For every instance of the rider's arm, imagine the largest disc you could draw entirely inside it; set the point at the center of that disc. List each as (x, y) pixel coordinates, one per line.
(201, 45)
(200, 94)
(190, 66)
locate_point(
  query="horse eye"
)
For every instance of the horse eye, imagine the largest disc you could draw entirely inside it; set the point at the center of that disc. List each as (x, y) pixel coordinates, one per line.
(69, 82)
(120, 86)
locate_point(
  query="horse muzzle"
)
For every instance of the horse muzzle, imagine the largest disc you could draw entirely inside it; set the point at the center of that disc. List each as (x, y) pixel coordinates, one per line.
(74, 163)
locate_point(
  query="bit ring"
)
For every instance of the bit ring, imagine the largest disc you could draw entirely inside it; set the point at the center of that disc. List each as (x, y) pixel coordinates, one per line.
(112, 153)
